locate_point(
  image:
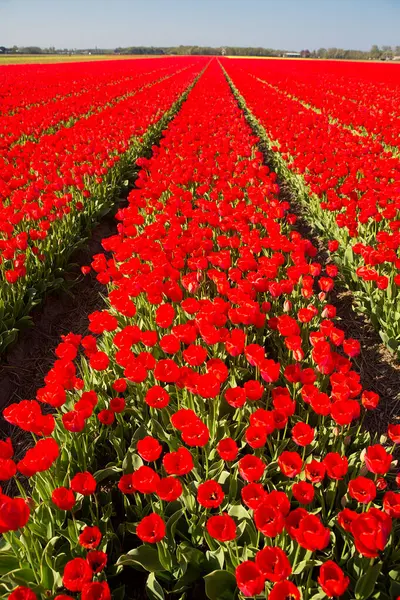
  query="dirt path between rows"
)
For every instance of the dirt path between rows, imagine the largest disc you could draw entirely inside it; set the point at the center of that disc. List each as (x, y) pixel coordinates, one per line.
(378, 368)
(25, 364)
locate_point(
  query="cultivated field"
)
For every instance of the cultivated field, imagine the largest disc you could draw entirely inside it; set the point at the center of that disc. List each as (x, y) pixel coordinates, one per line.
(22, 59)
(206, 405)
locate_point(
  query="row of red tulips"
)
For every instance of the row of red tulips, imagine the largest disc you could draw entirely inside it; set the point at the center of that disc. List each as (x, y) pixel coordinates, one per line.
(350, 190)
(366, 99)
(53, 191)
(93, 96)
(27, 86)
(209, 424)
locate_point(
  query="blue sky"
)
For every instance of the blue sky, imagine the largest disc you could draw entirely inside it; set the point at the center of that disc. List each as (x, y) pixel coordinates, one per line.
(288, 24)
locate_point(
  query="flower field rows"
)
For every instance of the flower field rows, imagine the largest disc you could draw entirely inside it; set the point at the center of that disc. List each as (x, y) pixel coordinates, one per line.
(52, 190)
(24, 87)
(346, 92)
(207, 431)
(349, 185)
(30, 124)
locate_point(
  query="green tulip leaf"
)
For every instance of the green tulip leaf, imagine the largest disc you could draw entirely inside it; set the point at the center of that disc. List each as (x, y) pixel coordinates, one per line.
(366, 584)
(220, 585)
(144, 556)
(153, 588)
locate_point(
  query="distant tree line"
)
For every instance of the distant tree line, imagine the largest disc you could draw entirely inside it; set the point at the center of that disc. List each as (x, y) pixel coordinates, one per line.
(203, 50)
(139, 50)
(53, 50)
(376, 52)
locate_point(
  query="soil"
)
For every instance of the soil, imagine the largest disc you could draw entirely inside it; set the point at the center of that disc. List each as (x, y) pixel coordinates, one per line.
(27, 361)
(379, 370)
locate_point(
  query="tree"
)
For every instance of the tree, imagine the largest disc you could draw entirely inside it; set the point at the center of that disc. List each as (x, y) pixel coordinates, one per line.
(31, 50)
(387, 52)
(375, 52)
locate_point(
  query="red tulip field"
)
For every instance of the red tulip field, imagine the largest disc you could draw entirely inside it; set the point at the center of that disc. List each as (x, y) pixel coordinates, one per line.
(207, 436)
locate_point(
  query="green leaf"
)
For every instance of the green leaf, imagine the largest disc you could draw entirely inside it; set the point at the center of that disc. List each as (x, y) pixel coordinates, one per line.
(233, 487)
(191, 575)
(172, 524)
(239, 512)
(46, 576)
(348, 255)
(140, 433)
(153, 588)
(136, 461)
(8, 338)
(48, 552)
(395, 589)
(112, 472)
(215, 559)
(384, 337)
(366, 585)
(305, 564)
(186, 554)
(216, 469)
(145, 556)
(8, 563)
(220, 585)
(24, 577)
(127, 465)
(71, 533)
(165, 556)
(60, 562)
(224, 477)
(157, 429)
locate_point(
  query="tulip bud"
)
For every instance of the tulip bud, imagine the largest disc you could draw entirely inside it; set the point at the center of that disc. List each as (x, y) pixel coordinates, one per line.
(381, 483)
(287, 306)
